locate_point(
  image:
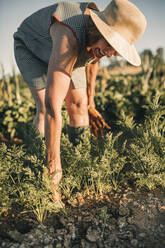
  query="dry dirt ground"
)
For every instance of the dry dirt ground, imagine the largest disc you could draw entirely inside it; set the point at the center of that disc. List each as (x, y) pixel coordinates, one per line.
(121, 219)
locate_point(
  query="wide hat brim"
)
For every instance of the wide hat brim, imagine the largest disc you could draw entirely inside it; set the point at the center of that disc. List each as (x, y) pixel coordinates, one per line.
(121, 45)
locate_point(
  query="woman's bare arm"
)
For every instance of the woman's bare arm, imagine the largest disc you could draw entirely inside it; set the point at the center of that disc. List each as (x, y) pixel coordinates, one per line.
(91, 73)
(62, 60)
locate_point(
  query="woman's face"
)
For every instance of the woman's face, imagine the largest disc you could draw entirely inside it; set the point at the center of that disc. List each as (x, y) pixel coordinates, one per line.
(102, 48)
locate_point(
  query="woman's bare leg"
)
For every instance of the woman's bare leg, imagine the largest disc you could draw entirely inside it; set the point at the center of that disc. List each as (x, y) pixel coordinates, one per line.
(39, 98)
(77, 106)
(76, 102)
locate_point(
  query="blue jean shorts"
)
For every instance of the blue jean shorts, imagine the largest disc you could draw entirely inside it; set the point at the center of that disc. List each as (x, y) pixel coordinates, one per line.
(34, 70)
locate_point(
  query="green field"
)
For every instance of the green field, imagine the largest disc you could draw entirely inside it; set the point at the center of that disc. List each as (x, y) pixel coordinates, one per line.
(132, 155)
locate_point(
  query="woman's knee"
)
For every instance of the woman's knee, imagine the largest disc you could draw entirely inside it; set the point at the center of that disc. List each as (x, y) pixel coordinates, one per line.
(77, 104)
(79, 107)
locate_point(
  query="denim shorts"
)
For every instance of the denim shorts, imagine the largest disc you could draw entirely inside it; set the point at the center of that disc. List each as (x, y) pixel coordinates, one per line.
(34, 70)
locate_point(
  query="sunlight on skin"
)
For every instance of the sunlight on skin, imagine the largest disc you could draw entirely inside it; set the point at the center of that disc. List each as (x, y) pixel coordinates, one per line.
(102, 48)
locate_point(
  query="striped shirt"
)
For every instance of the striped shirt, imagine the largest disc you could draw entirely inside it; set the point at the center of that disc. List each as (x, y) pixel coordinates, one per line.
(34, 30)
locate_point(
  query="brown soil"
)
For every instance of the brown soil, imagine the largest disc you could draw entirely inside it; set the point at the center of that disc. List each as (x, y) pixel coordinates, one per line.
(125, 218)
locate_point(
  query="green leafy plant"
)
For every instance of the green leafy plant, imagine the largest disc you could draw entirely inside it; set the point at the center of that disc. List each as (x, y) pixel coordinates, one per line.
(132, 153)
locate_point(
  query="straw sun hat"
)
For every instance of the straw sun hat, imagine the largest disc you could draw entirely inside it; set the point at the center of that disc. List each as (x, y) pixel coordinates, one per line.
(121, 24)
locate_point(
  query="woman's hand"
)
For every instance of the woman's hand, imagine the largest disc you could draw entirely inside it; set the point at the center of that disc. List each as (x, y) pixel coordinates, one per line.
(97, 123)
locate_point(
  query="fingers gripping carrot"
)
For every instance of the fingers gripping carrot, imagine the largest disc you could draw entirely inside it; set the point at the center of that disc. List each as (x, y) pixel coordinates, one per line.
(97, 123)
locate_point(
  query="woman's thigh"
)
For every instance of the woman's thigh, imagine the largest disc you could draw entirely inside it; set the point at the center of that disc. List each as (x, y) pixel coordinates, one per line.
(39, 98)
(33, 70)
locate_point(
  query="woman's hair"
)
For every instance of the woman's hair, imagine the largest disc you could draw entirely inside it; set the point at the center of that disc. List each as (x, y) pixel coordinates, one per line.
(93, 34)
